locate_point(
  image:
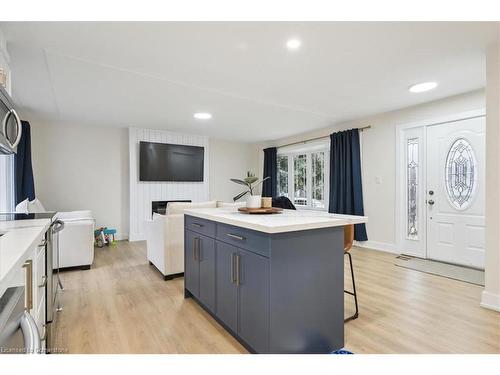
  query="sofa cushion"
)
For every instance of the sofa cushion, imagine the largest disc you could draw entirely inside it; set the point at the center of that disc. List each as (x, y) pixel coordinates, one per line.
(179, 207)
(33, 206)
(22, 206)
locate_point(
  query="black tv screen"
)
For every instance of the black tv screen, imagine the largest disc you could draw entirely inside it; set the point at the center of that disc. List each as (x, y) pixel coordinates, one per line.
(167, 162)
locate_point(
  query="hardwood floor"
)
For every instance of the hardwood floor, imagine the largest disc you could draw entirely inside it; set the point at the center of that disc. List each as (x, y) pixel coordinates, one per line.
(123, 305)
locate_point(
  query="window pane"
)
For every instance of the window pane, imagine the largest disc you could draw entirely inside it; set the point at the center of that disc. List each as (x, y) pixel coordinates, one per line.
(318, 179)
(412, 188)
(300, 180)
(460, 174)
(282, 176)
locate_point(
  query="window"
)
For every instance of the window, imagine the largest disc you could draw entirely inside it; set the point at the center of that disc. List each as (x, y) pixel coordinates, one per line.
(300, 180)
(283, 176)
(318, 179)
(460, 174)
(412, 188)
(302, 176)
(7, 183)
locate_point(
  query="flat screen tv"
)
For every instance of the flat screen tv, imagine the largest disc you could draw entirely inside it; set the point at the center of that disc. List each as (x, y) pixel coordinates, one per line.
(167, 162)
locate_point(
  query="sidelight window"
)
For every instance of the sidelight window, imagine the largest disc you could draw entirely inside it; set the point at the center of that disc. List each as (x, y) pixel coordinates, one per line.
(412, 174)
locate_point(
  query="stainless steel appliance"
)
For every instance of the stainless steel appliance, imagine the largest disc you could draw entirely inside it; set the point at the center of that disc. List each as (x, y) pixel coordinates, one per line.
(54, 285)
(10, 130)
(18, 331)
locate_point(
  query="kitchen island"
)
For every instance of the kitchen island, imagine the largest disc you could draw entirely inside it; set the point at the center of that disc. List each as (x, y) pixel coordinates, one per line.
(275, 282)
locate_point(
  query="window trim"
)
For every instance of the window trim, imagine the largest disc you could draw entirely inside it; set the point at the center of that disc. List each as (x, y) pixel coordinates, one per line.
(7, 200)
(314, 148)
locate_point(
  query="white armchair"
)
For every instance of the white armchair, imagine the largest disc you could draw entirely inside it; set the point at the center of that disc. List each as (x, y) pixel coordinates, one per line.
(76, 240)
(165, 238)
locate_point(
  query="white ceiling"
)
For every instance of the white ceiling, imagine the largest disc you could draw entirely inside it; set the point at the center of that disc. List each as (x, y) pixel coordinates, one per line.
(156, 75)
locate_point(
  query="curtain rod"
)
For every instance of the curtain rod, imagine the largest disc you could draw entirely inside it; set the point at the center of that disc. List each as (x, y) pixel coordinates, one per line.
(318, 138)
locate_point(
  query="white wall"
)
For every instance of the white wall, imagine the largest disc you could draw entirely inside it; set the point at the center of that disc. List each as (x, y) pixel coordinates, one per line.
(379, 154)
(87, 167)
(230, 160)
(491, 293)
(83, 167)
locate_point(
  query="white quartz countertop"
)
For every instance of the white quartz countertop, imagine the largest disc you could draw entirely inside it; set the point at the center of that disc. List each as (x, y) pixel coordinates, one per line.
(18, 238)
(286, 221)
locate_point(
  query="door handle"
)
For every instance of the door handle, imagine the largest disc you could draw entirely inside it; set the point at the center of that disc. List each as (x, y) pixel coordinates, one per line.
(19, 128)
(238, 264)
(30, 334)
(57, 226)
(431, 202)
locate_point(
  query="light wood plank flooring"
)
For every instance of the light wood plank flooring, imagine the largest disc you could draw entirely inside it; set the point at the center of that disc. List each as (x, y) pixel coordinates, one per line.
(123, 305)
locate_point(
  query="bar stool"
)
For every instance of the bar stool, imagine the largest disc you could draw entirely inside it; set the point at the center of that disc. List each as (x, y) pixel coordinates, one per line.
(348, 241)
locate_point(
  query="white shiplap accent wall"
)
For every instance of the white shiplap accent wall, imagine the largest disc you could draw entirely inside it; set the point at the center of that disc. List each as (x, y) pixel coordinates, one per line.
(143, 193)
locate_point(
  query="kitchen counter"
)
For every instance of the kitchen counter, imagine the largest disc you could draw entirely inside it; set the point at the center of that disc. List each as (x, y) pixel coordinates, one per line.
(17, 239)
(275, 282)
(286, 221)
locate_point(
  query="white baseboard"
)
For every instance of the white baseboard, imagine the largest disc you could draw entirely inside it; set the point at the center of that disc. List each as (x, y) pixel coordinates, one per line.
(121, 236)
(490, 301)
(380, 246)
(133, 237)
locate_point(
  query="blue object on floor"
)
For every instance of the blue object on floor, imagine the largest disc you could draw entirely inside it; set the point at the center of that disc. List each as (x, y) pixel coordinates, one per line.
(342, 351)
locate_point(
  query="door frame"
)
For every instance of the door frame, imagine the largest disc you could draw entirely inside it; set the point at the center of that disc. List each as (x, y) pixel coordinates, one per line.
(400, 182)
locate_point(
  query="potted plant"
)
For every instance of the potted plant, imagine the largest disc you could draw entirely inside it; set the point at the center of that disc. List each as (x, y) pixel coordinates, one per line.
(250, 182)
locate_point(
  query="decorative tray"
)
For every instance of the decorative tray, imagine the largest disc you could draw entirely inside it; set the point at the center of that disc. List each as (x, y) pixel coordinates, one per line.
(260, 211)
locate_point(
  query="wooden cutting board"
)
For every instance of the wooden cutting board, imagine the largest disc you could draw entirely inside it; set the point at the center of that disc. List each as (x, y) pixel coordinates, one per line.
(260, 211)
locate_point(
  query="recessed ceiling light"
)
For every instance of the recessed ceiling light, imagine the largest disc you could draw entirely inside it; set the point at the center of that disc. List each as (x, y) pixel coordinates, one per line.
(422, 87)
(293, 44)
(202, 116)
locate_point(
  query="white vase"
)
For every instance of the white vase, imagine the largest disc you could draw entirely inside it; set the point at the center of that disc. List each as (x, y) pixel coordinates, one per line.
(254, 201)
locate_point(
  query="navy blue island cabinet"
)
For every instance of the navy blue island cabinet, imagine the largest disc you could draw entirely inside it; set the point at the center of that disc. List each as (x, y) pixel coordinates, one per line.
(274, 292)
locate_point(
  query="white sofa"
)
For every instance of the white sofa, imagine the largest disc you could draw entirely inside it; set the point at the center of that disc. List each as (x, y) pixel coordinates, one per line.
(76, 240)
(165, 236)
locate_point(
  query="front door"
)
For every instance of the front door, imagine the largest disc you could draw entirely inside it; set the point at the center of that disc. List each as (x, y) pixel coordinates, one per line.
(454, 193)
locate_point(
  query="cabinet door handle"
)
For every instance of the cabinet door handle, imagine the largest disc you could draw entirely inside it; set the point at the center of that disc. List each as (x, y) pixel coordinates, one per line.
(236, 237)
(44, 282)
(195, 244)
(198, 240)
(29, 284)
(233, 278)
(196, 225)
(238, 264)
(194, 249)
